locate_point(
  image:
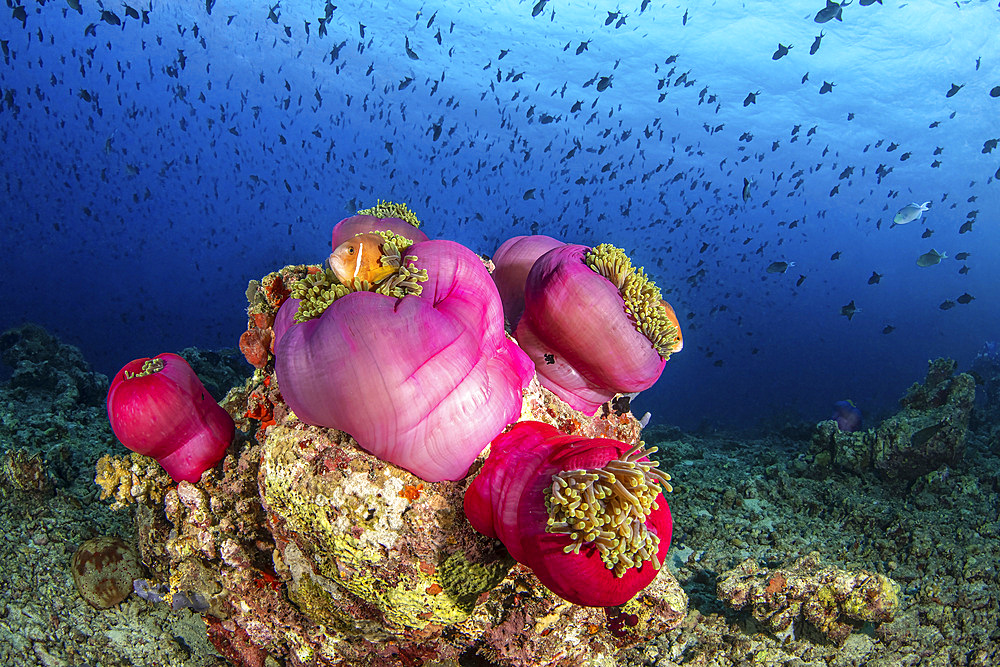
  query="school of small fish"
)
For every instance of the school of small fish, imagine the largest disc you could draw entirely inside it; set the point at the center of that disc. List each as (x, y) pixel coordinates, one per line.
(286, 119)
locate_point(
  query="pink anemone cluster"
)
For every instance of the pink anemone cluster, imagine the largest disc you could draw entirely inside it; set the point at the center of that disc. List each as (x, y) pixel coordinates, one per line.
(159, 408)
(586, 515)
(423, 381)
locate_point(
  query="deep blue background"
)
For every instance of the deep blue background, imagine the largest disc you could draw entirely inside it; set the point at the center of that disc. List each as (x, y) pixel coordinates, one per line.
(150, 170)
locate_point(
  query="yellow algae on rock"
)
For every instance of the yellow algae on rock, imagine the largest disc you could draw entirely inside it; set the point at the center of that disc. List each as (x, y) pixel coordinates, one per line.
(363, 533)
(131, 478)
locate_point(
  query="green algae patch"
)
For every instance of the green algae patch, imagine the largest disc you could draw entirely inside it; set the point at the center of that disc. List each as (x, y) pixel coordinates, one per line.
(464, 582)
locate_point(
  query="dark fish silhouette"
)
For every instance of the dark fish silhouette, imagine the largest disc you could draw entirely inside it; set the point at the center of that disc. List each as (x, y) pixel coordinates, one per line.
(875, 278)
(947, 304)
(747, 182)
(865, 3)
(538, 8)
(826, 87)
(965, 298)
(604, 83)
(888, 329)
(751, 98)
(815, 45)
(995, 91)
(410, 53)
(779, 267)
(781, 51)
(833, 10)
(954, 90)
(849, 310)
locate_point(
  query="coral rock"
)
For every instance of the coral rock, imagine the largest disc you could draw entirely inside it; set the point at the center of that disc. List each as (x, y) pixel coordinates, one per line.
(104, 569)
(927, 433)
(833, 601)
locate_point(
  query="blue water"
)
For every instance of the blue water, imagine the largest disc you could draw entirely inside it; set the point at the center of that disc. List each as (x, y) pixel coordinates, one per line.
(151, 169)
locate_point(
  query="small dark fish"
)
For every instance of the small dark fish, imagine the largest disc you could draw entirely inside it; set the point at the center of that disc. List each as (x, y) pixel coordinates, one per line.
(930, 258)
(888, 329)
(995, 91)
(875, 278)
(583, 47)
(815, 45)
(410, 53)
(132, 13)
(779, 267)
(849, 310)
(927, 233)
(747, 182)
(954, 90)
(865, 3)
(965, 299)
(833, 10)
(805, 77)
(781, 51)
(966, 227)
(947, 304)
(835, 256)
(826, 87)
(802, 279)
(75, 5)
(604, 83)
(962, 256)
(684, 20)
(751, 98)
(538, 8)
(528, 194)
(21, 14)
(611, 17)
(989, 145)
(110, 18)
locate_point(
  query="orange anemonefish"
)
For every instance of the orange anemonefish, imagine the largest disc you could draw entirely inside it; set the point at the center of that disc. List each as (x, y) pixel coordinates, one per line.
(358, 259)
(673, 320)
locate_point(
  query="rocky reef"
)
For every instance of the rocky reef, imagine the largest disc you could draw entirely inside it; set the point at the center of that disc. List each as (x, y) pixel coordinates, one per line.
(309, 549)
(52, 402)
(928, 432)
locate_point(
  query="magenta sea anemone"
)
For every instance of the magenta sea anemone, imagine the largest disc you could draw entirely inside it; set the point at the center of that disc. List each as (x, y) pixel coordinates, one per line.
(421, 381)
(586, 515)
(591, 323)
(159, 408)
(513, 261)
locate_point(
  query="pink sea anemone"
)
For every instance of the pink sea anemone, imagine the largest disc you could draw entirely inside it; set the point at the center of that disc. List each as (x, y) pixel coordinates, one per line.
(421, 381)
(158, 407)
(586, 515)
(593, 326)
